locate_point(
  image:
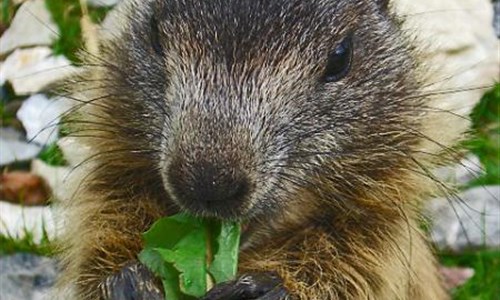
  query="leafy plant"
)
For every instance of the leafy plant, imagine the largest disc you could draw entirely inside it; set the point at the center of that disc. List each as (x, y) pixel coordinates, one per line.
(67, 15)
(10, 244)
(191, 254)
(486, 145)
(484, 284)
(486, 142)
(7, 12)
(52, 155)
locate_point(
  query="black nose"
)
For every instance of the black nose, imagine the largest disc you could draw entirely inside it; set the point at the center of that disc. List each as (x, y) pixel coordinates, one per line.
(208, 188)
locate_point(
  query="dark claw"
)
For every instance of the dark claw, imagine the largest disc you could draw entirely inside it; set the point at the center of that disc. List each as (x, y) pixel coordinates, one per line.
(278, 292)
(133, 282)
(255, 286)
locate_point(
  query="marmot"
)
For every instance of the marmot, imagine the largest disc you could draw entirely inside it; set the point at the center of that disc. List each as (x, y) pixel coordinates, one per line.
(304, 120)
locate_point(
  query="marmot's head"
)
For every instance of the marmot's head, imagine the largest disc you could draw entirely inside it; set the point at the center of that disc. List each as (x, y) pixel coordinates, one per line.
(244, 103)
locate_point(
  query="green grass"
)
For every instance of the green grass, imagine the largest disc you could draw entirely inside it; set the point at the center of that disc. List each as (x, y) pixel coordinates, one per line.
(485, 284)
(11, 245)
(486, 141)
(67, 15)
(7, 12)
(52, 155)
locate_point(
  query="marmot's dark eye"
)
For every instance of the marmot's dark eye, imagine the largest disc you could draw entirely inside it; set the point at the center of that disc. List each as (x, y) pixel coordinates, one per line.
(155, 36)
(339, 61)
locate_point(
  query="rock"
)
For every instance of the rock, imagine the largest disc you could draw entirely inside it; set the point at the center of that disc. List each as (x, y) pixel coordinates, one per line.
(468, 169)
(31, 70)
(40, 117)
(55, 178)
(23, 188)
(73, 150)
(27, 277)
(459, 47)
(469, 220)
(496, 21)
(78, 155)
(455, 277)
(101, 3)
(112, 23)
(15, 148)
(20, 60)
(17, 220)
(32, 26)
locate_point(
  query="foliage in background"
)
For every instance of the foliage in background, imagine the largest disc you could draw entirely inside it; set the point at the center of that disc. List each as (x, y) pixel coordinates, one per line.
(67, 15)
(485, 142)
(11, 245)
(7, 12)
(485, 284)
(52, 155)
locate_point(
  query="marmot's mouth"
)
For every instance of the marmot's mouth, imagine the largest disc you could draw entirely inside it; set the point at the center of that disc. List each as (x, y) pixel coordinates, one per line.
(219, 211)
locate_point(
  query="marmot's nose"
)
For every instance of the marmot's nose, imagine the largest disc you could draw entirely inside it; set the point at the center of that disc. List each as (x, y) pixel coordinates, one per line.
(207, 188)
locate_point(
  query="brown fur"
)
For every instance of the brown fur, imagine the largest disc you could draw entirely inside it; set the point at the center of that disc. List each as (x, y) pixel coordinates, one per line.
(336, 217)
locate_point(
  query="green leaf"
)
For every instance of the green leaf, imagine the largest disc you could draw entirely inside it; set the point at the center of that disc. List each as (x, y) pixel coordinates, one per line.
(167, 232)
(169, 275)
(180, 241)
(225, 262)
(189, 258)
(180, 248)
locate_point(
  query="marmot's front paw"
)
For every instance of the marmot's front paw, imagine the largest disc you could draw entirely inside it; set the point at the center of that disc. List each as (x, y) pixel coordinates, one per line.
(133, 282)
(255, 286)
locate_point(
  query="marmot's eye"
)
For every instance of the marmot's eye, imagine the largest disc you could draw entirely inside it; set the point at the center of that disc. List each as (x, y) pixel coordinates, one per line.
(339, 61)
(155, 36)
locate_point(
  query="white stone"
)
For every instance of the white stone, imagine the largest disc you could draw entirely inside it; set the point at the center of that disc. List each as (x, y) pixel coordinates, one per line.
(21, 60)
(32, 26)
(25, 276)
(467, 220)
(17, 220)
(73, 150)
(54, 177)
(40, 117)
(31, 70)
(13, 148)
(114, 23)
(459, 47)
(101, 3)
(77, 155)
(468, 169)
